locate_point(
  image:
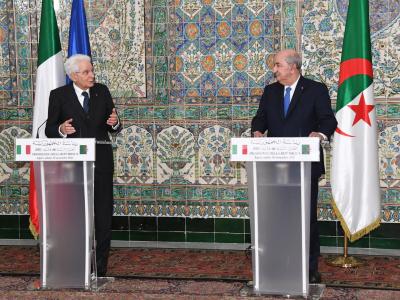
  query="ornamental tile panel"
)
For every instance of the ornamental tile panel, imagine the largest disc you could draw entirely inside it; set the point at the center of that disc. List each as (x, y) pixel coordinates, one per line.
(10, 170)
(328, 17)
(222, 39)
(191, 8)
(134, 156)
(214, 153)
(116, 33)
(175, 155)
(389, 152)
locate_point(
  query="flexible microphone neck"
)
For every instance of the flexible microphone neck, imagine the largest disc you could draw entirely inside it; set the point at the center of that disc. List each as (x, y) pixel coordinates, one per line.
(37, 131)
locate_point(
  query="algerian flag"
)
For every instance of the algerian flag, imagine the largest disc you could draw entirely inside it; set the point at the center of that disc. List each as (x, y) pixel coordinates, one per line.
(355, 168)
(50, 75)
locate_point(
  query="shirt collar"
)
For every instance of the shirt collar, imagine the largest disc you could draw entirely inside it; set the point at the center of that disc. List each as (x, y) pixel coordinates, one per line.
(79, 91)
(293, 86)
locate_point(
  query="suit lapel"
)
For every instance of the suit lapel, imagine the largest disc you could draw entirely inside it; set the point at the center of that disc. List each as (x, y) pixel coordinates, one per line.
(93, 105)
(279, 100)
(296, 96)
(75, 102)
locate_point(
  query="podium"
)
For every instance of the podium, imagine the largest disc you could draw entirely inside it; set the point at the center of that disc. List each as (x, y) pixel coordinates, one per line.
(64, 180)
(279, 175)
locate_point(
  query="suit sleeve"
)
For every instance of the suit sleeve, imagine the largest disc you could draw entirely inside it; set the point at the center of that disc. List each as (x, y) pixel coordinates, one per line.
(260, 122)
(53, 117)
(326, 119)
(110, 105)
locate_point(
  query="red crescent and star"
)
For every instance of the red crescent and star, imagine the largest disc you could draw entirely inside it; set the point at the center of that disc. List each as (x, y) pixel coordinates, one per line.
(348, 69)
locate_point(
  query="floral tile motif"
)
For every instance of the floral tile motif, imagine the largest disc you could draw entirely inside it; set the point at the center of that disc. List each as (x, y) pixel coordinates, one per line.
(196, 155)
(175, 155)
(321, 51)
(225, 38)
(134, 156)
(8, 48)
(214, 153)
(10, 170)
(175, 210)
(191, 8)
(389, 152)
(11, 206)
(391, 214)
(116, 33)
(257, 6)
(393, 110)
(385, 11)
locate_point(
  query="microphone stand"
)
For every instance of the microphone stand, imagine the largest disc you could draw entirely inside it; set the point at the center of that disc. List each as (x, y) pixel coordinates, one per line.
(37, 131)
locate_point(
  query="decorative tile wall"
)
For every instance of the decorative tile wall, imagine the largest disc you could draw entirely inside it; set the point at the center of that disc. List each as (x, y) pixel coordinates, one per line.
(222, 47)
(173, 156)
(116, 34)
(204, 67)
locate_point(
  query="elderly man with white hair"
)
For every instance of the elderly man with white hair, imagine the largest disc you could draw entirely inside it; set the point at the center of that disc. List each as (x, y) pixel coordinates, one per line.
(85, 109)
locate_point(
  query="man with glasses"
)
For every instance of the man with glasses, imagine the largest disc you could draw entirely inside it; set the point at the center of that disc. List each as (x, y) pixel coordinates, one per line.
(85, 109)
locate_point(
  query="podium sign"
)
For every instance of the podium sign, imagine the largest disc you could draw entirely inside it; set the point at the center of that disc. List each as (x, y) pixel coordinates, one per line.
(279, 176)
(64, 181)
(55, 149)
(275, 149)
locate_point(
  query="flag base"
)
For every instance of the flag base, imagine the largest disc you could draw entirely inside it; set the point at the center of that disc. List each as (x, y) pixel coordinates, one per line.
(345, 262)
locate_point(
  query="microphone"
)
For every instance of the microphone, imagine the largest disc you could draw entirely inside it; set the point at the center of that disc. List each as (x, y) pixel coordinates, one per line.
(37, 132)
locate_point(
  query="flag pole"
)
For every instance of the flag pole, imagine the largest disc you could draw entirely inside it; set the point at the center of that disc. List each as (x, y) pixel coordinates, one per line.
(356, 195)
(346, 261)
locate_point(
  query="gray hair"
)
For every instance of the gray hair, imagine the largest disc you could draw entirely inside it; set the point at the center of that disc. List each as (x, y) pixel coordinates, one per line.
(71, 64)
(294, 59)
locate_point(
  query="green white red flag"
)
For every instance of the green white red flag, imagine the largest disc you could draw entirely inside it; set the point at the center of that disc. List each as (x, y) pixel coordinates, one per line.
(355, 166)
(50, 75)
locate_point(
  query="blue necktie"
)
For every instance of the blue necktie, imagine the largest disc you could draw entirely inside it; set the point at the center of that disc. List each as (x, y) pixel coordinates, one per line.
(85, 102)
(286, 100)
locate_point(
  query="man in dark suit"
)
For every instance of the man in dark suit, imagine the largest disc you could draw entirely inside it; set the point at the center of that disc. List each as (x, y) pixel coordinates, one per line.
(84, 109)
(295, 106)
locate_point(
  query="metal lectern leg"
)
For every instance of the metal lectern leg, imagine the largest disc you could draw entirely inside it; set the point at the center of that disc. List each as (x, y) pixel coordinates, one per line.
(43, 226)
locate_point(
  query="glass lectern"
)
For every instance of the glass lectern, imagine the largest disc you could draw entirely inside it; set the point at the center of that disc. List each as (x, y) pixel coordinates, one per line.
(64, 180)
(278, 175)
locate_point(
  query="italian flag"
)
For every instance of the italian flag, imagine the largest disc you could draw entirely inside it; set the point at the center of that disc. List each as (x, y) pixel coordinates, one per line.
(355, 167)
(50, 75)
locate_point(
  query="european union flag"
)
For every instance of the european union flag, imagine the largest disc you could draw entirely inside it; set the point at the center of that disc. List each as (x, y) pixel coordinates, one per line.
(78, 32)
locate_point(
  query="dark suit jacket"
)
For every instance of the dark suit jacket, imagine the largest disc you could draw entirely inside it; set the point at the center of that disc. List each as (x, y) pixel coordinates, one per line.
(310, 110)
(64, 104)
